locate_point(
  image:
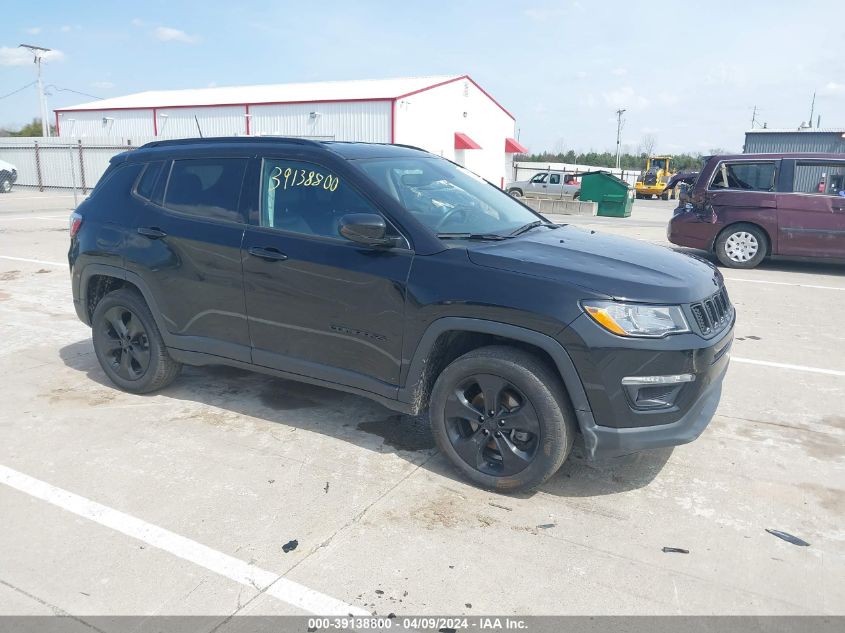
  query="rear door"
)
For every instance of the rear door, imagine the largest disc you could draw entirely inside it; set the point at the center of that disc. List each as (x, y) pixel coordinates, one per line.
(186, 248)
(811, 217)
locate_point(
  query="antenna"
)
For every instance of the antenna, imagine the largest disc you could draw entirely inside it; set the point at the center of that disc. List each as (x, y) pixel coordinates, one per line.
(199, 129)
(812, 108)
(38, 54)
(754, 117)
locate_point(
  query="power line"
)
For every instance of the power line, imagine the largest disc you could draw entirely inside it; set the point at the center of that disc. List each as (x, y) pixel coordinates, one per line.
(84, 94)
(14, 92)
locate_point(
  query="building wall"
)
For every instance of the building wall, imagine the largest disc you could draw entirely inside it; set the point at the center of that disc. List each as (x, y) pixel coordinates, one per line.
(429, 120)
(341, 121)
(213, 121)
(805, 141)
(106, 123)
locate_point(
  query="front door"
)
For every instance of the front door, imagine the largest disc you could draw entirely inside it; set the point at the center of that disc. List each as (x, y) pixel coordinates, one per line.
(811, 219)
(320, 305)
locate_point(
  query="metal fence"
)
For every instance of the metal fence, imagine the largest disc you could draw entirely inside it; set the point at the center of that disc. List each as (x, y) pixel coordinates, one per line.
(53, 163)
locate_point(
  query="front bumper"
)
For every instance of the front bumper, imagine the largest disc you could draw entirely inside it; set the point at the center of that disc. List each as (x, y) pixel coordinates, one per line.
(649, 190)
(614, 426)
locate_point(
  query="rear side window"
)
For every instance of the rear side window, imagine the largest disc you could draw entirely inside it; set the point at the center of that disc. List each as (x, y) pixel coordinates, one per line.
(745, 176)
(554, 179)
(147, 183)
(825, 179)
(206, 187)
(118, 180)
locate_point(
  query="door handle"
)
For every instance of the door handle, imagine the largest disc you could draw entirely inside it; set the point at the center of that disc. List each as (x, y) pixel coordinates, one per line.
(268, 254)
(151, 232)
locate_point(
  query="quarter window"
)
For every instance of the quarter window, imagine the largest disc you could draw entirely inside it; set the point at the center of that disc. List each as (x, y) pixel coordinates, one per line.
(745, 176)
(206, 187)
(148, 180)
(827, 179)
(307, 198)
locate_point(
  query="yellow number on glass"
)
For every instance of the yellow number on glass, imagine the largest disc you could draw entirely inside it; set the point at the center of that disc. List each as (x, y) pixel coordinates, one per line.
(274, 177)
(301, 177)
(318, 178)
(287, 175)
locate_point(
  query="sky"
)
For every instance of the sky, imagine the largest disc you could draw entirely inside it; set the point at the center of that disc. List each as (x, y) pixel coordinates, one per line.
(688, 74)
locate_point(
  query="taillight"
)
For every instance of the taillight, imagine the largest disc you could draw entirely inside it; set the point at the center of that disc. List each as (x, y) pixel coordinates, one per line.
(75, 223)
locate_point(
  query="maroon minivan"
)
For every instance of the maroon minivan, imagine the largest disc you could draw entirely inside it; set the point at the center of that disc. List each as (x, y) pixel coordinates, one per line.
(747, 206)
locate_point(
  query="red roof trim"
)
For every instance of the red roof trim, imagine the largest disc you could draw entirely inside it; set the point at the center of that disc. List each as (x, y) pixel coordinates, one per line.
(224, 105)
(449, 81)
(512, 146)
(463, 141)
(219, 105)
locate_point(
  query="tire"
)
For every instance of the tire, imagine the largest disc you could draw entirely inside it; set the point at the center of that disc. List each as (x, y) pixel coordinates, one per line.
(516, 193)
(664, 195)
(5, 184)
(576, 195)
(128, 344)
(742, 246)
(533, 422)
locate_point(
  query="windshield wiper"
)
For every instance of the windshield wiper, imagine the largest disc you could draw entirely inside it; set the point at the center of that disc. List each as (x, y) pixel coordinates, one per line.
(531, 225)
(472, 236)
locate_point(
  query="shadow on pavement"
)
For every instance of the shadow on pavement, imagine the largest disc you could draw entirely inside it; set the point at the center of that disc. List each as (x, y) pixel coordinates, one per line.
(362, 422)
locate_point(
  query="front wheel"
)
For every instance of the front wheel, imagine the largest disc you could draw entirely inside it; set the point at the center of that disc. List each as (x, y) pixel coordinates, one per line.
(503, 419)
(5, 184)
(741, 246)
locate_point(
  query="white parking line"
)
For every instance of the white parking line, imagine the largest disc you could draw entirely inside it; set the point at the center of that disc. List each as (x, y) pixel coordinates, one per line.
(33, 261)
(783, 283)
(804, 368)
(34, 217)
(235, 569)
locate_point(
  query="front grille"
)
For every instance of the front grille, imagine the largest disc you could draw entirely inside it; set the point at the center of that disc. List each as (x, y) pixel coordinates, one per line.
(713, 314)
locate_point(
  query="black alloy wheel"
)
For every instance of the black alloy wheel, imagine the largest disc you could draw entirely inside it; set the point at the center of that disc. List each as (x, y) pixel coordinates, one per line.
(126, 343)
(492, 425)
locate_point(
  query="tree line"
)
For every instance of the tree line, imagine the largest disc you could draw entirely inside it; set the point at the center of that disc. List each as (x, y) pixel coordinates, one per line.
(30, 129)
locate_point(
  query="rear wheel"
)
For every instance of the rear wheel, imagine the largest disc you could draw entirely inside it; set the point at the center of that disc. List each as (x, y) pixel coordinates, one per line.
(502, 418)
(128, 345)
(742, 246)
(516, 193)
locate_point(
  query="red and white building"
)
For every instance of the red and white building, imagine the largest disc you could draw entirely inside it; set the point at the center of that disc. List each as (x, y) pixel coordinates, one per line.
(450, 116)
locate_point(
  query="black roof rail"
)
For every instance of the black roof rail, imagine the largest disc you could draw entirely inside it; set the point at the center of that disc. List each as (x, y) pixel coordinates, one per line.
(231, 139)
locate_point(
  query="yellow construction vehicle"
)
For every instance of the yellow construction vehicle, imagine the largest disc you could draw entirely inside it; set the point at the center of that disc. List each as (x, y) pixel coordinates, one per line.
(652, 180)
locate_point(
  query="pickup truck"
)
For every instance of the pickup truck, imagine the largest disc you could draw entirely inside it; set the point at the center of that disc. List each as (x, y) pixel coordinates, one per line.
(553, 184)
(8, 176)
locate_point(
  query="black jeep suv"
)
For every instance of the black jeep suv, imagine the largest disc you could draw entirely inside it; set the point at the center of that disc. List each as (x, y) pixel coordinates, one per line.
(388, 272)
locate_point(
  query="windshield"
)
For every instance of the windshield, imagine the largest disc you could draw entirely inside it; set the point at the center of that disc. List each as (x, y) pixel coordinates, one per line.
(447, 198)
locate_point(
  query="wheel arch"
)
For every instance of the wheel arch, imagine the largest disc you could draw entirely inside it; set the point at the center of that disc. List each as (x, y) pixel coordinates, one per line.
(97, 280)
(450, 337)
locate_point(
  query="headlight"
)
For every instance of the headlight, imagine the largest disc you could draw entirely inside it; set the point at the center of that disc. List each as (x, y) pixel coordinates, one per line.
(631, 319)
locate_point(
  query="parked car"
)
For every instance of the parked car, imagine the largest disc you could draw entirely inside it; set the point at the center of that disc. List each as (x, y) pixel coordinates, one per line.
(394, 274)
(746, 207)
(548, 183)
(8, 176)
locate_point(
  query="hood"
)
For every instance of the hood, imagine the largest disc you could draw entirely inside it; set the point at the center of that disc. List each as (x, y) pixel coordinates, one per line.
(617, 267)
(5, 165)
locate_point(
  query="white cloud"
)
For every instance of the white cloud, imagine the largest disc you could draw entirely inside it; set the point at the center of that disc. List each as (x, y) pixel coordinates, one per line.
(168, 34)
(581, 74)
(625, 97)
(833, 88)
(66, 29)
(619, 71)
(137, 22)
(102, 85)
(33, 30)
(22, 56)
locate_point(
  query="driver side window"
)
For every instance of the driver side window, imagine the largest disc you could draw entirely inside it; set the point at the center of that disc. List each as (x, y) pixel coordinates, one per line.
(306, 198)
(539, 178)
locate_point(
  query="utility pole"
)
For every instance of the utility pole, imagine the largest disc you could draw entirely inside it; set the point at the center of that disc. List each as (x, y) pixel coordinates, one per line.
(754, 117)
(812, 108)
(38, 53)
(619, 114)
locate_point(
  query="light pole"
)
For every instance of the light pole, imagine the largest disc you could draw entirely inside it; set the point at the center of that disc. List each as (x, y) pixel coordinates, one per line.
(38, 53)
(619, 114)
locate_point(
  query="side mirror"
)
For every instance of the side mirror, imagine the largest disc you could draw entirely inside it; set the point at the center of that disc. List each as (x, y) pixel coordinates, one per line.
(368, 229)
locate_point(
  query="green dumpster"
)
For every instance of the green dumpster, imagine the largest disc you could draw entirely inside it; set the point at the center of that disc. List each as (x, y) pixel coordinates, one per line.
(613, 195)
